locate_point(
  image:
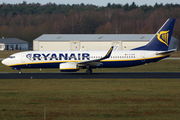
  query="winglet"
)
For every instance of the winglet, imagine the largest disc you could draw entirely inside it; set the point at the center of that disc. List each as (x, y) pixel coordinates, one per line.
(108, 53)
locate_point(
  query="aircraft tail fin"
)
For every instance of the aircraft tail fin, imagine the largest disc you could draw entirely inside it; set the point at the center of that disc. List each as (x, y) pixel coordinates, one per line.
(161, 40)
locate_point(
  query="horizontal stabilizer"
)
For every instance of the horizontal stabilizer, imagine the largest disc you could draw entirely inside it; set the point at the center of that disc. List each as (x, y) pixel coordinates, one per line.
(165, 52)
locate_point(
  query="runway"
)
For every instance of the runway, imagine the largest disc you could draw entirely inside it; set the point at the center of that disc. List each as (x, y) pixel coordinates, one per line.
(159, 75)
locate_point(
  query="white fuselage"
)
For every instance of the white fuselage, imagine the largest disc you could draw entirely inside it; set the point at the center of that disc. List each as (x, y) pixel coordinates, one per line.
(52, 59)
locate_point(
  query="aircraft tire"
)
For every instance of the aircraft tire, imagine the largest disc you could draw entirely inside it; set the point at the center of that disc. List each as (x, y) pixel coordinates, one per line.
(20, 72)
(89, 71)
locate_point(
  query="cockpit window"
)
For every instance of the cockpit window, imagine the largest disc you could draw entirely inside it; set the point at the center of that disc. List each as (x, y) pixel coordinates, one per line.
(12, 57)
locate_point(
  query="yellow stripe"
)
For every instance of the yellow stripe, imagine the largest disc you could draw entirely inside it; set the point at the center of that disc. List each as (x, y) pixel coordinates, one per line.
(82, 60)
(109, 51)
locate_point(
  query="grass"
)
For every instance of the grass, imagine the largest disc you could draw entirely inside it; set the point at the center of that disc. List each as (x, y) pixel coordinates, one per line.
(87, 99)
(7, 53)
(175, 54)
(90, 99)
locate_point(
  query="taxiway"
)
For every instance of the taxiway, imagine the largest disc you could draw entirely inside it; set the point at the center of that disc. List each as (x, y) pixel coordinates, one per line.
(103, 75)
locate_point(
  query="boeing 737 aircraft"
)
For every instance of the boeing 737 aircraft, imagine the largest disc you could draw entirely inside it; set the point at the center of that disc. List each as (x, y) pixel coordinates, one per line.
(67, 61)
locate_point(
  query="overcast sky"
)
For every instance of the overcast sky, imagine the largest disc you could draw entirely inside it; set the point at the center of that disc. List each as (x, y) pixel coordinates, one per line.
(94, 2)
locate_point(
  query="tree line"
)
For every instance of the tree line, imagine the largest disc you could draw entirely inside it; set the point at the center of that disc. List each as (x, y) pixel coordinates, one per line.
(29, 21)
(51, 8)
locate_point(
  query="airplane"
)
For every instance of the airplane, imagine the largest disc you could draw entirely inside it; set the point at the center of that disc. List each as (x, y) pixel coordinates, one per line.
(72, 61)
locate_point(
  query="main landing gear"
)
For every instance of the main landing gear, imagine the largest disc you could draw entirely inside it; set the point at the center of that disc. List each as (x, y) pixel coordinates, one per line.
(88, 71)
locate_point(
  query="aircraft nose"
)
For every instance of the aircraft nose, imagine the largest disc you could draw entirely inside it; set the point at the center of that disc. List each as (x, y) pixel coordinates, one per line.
(5, 62)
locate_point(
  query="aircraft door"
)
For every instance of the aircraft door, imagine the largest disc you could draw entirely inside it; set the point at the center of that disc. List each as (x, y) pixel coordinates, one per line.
(23, 58)
(143, 57)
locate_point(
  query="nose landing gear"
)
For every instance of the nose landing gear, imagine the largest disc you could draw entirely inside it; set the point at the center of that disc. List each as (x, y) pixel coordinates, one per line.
(20, 72)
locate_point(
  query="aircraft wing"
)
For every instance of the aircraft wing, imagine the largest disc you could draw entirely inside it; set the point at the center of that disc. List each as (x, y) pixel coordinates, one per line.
(96, 62)
(165, 52)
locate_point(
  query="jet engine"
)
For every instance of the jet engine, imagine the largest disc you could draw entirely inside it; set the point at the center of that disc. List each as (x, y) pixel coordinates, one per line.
(68, 67)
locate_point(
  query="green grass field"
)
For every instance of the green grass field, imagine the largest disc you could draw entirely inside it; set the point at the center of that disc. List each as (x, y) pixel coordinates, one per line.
(88, 99)
(7, 53)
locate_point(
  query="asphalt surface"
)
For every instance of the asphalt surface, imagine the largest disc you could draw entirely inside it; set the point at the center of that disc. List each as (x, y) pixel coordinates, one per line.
(161, 75)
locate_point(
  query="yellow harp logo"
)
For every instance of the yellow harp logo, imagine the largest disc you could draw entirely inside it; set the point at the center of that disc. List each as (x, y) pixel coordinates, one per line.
(163, 37)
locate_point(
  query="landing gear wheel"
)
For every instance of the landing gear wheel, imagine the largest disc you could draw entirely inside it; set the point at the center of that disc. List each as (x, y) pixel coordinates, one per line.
(89, 71)
(20, 72)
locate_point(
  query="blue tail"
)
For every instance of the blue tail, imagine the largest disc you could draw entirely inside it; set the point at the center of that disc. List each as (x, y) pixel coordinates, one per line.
(160, 41)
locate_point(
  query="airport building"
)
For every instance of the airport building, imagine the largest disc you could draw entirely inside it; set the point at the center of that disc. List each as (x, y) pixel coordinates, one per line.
(94, 41)
(13, 44)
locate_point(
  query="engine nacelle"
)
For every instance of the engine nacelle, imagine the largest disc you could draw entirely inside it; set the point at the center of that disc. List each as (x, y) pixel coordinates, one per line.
(68, 67)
